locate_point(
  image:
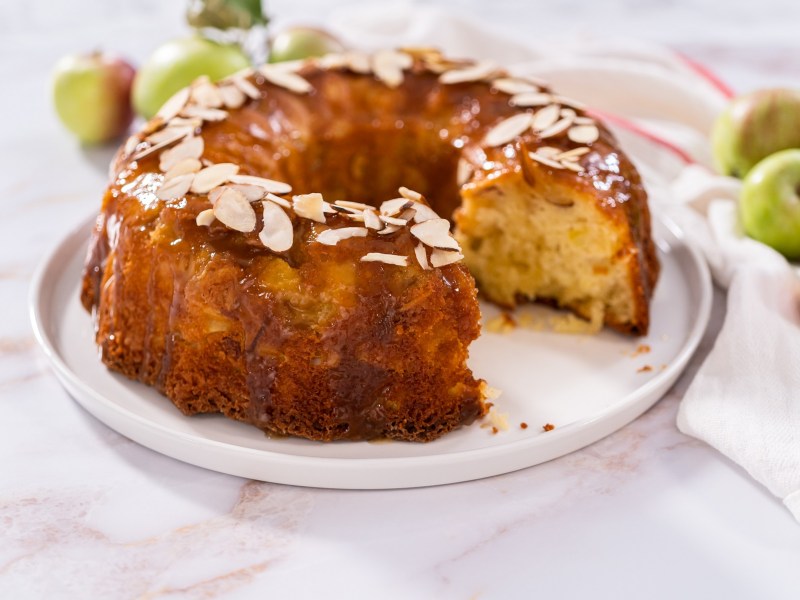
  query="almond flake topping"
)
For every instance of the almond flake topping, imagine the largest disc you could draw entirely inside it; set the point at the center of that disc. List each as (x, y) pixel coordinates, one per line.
(278, 200)
(174, 105)
(410, 194)
(309, 206)
(436, 234)
(232, 96)
(331, 237)
(234, 211)
(422, 257)
(423, 212)
(191, 147)
(475, 72)
(358, 62)
(332, 60)
(513, 86)
(210, 177)
(584, 134)
(528, 99)
(207, 114)
(277, 234)
(545, 160)
(441, 258)
(395, 206)
(205, 217)
(574, 154)
(558, 127)
(285, 79)
(508, 129)
(546, 117)
(177, 187)
(388, 66)
(389, 259)
(253, 193)
(187, 165)
(246, 87)
(371, 220)
(393, 221)
(170, 134)
(389, 229)
(357, 206)
(270, 185)
(205, 93)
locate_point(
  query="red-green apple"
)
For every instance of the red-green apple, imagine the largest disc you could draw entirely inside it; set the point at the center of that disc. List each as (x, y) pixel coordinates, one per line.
(302, 42)
(178, 63)
(92, 95)
(770, 202)
(754, 126)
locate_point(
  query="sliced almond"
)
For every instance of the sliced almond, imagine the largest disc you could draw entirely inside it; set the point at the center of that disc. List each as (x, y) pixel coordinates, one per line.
(388, 66)
(441, 258)
(234, 211)
(232, 96)
(309, 206)
(393, 221)
(584, 121)
(423, 213)
(528, 99)
(131, 144)
(272, 186)
(207, 114)
(463, 172)
(214, 194)
(572, 166)
(206, 94)
(556, 128)
(212, 176)
(177, 187)
(191, 147)
(253, 193)
(389, 259)
(389, 229)
(278, 233)
(333, 60)
(410, 194)
(285, 79)
(174, 105)
(246, 87)
(358, 62)
(371, 220)
(508, 129)
(192, 122)
(278, 200)
(359, 206)
(422, 256)
(573, 154)
(569, 102)
(187, 165)
(170, 134)
(205, 217)
(395, 206)
(540, 158)
(331, 237)
(513, 86)
(435, 233)
(475, 72)
(584, 134)
(546, 117)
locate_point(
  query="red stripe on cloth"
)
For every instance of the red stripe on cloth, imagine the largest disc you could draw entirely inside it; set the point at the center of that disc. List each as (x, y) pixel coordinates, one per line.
(707, 74)
(634, 128)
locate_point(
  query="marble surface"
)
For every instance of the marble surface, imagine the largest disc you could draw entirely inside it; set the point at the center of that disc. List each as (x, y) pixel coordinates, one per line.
(85, 513)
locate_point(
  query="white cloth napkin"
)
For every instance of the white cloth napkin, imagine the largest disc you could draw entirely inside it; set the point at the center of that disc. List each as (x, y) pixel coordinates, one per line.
(745, 399)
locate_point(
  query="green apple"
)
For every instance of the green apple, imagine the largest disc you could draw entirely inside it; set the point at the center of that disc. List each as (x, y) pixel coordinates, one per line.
(770, 202)
(91, 93)
(178, 63)
(754, 126)
(302, 42)
(225, 14)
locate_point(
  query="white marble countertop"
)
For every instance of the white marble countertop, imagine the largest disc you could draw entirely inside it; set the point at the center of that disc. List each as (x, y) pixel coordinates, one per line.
(86, 513)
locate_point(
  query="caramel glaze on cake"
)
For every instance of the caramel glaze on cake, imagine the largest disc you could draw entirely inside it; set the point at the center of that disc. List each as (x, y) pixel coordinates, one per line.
(312, 340)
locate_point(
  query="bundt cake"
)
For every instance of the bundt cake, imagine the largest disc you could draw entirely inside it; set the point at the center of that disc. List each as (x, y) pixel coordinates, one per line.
(253, 257)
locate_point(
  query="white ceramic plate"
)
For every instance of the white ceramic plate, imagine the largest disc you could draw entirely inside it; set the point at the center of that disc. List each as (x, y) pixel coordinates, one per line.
(587, 386)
